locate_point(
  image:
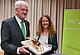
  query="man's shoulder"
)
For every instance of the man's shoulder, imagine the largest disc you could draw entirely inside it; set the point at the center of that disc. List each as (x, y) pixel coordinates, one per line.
(26, 21)
(9, 19)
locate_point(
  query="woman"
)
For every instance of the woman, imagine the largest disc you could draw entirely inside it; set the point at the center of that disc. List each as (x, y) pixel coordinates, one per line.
(46, 33)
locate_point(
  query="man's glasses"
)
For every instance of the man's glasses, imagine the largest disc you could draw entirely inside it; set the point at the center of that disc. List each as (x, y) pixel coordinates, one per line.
(23, 9)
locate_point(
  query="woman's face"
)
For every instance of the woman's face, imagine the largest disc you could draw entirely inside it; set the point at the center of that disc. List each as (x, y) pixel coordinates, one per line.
(45, 23)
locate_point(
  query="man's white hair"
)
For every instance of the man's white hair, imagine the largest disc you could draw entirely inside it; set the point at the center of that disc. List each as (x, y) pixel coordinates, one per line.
(20, 2)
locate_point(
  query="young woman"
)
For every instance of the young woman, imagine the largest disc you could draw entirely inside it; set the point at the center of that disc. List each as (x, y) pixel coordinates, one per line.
(46, 33)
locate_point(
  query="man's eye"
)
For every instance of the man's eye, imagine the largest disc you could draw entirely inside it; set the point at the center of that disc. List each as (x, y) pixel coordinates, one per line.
(22, 9)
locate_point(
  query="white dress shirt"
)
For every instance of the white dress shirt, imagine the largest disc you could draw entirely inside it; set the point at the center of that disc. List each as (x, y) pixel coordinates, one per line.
(19, 20)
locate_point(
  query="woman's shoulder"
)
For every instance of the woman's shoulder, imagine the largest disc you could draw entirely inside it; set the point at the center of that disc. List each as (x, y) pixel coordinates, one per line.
(55, 33)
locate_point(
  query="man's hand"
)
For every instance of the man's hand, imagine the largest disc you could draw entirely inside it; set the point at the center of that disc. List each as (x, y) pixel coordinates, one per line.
(23, 49)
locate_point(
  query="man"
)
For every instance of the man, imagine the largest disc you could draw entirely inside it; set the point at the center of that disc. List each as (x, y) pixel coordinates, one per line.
(12, 33)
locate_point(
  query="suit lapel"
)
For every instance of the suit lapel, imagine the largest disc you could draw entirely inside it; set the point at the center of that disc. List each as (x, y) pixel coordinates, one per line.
(26, 27)
(18, 28)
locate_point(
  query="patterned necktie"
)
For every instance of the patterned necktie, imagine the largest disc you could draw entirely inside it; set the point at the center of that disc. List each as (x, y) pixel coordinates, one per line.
(23, 29)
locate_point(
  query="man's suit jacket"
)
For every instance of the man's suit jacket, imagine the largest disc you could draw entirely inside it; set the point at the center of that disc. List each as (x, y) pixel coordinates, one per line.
(11, 36)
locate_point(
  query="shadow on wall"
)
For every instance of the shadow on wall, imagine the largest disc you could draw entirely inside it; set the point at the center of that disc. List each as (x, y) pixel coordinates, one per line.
(0, 36)
(0, 39)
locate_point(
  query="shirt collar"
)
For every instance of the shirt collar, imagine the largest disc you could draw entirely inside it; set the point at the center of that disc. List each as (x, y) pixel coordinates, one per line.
(18, 19)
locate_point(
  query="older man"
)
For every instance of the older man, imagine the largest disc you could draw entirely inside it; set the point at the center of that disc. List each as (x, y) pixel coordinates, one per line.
(14, 30)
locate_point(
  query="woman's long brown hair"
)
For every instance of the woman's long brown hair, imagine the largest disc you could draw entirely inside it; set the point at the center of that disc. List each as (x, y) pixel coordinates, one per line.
(50, 27)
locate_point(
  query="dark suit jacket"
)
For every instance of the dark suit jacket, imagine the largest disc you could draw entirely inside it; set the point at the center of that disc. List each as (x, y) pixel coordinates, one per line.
(11, 36)
(53, 42)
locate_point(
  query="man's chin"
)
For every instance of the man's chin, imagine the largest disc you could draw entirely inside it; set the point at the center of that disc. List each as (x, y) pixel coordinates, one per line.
(23, 17)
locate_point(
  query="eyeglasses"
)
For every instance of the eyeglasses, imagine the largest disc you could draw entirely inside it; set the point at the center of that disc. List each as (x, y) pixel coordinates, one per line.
(23, 9)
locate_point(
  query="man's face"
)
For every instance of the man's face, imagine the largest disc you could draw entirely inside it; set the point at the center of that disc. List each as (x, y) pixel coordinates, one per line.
(22, 11)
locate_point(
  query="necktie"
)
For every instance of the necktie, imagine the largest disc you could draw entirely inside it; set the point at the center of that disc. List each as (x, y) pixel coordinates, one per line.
(23, 29)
